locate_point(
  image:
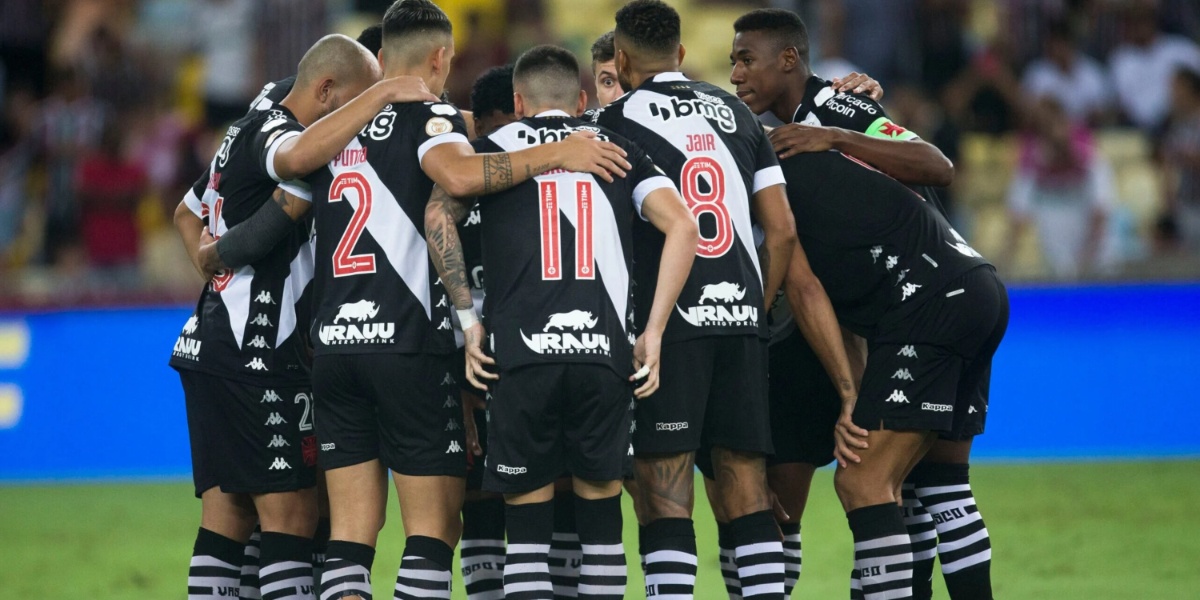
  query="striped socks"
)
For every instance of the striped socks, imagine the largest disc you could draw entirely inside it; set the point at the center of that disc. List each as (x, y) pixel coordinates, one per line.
(670, 566)
(791, 556)
(758, 553)
(483, 549)
(215, 570)
(964, 548)
(882, 554)
(424, 570)
(285, 571)
(526, 568)
(729, 573)
(347, 570)
(603, 574)
(923, 537)
(250, 566)
(566, 555)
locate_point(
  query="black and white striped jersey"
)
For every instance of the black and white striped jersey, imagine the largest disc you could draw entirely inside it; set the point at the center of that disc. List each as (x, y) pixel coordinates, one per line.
(714, 150)
(249, 322)
(376, 288)
(557, 252)
(272, 94)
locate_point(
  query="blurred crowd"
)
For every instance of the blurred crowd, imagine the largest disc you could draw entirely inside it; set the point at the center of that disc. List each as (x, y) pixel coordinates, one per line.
(1074, 124)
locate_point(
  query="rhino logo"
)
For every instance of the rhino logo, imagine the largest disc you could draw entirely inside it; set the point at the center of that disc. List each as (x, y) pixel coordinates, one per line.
(723, 292)
(357, 311)
(190, 327)
(576, 320)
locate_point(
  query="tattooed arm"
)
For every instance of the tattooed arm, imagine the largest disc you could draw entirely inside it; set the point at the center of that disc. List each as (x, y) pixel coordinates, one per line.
(445, 248)
(457, 169)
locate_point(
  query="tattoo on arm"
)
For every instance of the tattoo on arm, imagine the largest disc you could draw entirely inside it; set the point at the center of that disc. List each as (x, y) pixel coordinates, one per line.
(531, 170)
(445, 248)
(497, 172)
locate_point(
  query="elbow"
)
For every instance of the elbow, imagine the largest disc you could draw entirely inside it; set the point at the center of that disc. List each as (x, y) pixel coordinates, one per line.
(458, 186)
(941, 173)
(687, 230)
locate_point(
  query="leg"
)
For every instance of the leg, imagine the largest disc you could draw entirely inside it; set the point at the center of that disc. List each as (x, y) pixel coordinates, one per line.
(225, 525)
(288, 521)
(566, 555)
(357, 501)
(791, 483)
(943, 486)
(429, 508)
(666, 498)
(733, 586)
(483, 546)
(250, 558)
(529, 519)
(603, 574)
(745, 499)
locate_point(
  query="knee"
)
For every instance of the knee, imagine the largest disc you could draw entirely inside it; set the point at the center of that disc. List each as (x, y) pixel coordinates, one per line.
(856, 490)
(294, 513)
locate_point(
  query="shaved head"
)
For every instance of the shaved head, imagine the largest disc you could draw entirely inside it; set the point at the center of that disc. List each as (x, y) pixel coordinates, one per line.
(339, 58)
(547, 76)
(412, 29)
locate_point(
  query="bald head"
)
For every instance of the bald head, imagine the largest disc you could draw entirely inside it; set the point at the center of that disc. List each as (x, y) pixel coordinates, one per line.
(339, 58)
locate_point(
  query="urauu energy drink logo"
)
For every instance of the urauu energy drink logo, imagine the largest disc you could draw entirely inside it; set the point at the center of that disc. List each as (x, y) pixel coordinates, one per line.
(356, 329)
(718, 313)
(572, 337)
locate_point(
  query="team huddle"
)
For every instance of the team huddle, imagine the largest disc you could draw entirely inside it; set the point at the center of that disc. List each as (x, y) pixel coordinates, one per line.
(665, 285)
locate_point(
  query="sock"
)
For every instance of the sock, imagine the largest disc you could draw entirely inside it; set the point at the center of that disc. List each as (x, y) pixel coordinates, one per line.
(964, 549)
(483, 549)
(882, 554)
(216, 566)
(320, 542)
(347, 570)
(424, 570)
(670, 559)
(526, 570)
(642, 549)
(923, 537)
(791, 556)
(758, 553)
(733, 586)
(250, 567)
(286, 567)
(566, 556)
(603, 574)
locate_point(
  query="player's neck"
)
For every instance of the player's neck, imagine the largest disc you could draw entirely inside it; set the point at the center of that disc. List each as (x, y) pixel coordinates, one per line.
(421, 71)
(533, 111)
(785, 106)
(299, 109)
(638, 76)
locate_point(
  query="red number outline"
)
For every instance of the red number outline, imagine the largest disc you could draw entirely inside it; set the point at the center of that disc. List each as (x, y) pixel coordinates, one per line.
(551, 236)
(344, 262)
(712, 202)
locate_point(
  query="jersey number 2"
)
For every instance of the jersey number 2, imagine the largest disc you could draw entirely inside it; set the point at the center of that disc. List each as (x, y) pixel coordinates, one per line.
(344, 262)
(221, 280)
(699, 173)
(551, 245)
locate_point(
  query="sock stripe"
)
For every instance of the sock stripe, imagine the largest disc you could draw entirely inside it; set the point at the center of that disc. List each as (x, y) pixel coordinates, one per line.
(968, 562)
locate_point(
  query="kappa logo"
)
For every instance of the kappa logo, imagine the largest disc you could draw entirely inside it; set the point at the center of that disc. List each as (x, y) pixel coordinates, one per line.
(632, 427)
(671, 426)
(567, 342)
(511, 470)
(261, 320)
(357, 332)
(264, 297)
(961, 245)
(270, 397)
(901, 276)
(902, 374)
(908, 290)
(275, 419)
(441, 303)
(450, 402)
(258, 342)
(907, 352)
(452, 425)
(891, 262)
(971, 410)
(898, 397)
(190, 327)
(280, 464)
(937, 407)
(472, 218)
(704, 105)
(630, 451)
(448, 380)
(278, 442)
(256, 364)
(445, 325)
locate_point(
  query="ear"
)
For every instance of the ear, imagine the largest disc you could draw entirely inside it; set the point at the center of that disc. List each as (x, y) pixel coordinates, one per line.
(622, 63)
(788, 59)
(518, 105)
(379, 57)
(682, 53)
(325, 91)
(582, 104)
(439, 57)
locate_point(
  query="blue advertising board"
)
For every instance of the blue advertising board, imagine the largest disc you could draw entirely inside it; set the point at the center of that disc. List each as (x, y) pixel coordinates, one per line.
(1091, 372)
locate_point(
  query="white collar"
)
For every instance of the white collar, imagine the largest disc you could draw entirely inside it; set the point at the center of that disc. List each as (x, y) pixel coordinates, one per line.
(670, 76)
(552, 113)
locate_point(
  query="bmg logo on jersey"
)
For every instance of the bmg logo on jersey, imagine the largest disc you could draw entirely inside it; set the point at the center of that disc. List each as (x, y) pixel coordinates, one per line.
(357, 331)
(568, 342)
(704, 105)
(717, 314)
(546, 135)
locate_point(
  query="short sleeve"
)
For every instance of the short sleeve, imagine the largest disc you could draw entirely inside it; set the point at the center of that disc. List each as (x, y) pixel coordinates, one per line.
(766, 165)
(274, 132)
(438, 124)
(646, 177)
(193, 200)
(858, 112)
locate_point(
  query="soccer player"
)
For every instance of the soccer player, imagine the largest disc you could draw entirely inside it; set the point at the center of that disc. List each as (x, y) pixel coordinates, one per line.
(556, 252)
(381, 340)
(240, 356)
(770, 70)
(933, 313)
(714, 378)
(604, 70)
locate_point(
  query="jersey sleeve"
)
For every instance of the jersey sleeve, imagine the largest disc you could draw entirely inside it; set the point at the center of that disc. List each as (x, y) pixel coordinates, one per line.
(193, 198)
(766, 165)
(437, 124)
(273, 133)
(646, 177)
(861, 113)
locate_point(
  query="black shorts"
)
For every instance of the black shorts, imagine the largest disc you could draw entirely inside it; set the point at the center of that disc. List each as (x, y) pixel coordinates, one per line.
(712, 390)
(931, 371)
(804, 404)
(403, 409)
(248, 439)
(545, 420)
(475, 464)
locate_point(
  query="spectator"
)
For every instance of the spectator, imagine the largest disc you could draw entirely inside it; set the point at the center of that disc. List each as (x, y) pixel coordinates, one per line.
(1077, 82)
(1142, 68)
(109, 188)
(1181, 158)
(1064, 187)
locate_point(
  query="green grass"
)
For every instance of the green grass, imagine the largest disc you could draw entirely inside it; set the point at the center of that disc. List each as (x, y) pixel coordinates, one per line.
(1060, 531)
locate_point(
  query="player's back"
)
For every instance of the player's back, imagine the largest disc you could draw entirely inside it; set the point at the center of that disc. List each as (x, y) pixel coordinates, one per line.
(376, 289)
(716, 153)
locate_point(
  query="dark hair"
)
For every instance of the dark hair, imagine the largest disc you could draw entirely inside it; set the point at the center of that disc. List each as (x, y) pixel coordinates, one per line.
(405, 17)
(785, 27)
(372, 38)
(603, 50)
(1190, 78)
(493, 91)
(546, 59)
(650, 25)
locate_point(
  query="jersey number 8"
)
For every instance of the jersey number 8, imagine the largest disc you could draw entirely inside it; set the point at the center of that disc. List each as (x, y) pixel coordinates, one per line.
(585, 266)
(703, 187)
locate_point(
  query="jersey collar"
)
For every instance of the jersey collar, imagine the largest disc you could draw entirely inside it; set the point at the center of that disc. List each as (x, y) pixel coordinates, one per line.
(670, 76)
(552, 113)
(812, 88)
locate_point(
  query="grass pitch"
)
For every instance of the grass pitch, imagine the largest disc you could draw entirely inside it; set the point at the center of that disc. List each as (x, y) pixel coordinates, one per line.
(1062, 531)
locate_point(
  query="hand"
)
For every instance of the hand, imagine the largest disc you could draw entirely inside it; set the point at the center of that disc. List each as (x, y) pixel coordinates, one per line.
(781, 514)
(207, 258)
(476, 359)
(583, 153)
(406, 89)
(847, 435)
(646, 354)
(859, 83)
(796, 138)
(470, 404)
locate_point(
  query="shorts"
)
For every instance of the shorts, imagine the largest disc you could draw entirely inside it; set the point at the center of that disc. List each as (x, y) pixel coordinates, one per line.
(712, 390)
(804, 404)
(403, 409)
(931, 371)
(249, 439)
(545, 420)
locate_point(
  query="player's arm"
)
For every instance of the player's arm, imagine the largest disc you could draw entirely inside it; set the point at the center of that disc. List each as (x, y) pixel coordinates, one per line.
(189, 222)
(303, 153)
(252, 239)
(668, 213)
(456, 168)
(814, 314)
(774, 216)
